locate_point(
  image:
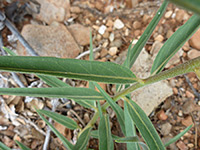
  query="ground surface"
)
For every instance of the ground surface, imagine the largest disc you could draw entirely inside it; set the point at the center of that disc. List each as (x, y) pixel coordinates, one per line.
(20, 122)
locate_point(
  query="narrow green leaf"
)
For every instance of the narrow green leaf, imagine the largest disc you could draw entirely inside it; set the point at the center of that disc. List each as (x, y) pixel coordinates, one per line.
(65, 121)
(70, 68)
(4, 147)
(95, 134)
(22, 146)
(91, 48)
(99, 108)
(83, 140)
(86, 103)
(174, 43)
(135, 51)
(52, 81)
(192, 5)
(9, 51)
(65, 92)
(129, 139)
(174, 139)
(130, 128)
(105, 138)
(145, 126)
(118, 110)
(58, 134)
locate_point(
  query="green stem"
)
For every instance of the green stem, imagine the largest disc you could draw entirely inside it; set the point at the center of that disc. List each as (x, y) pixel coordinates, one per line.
(189, 66)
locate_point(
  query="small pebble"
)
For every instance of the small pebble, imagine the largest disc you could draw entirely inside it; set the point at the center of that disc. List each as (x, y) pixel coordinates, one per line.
(168, 14)
(161, 115)
(102, 29)
(118, 24)
(111, 37)
(113, 51)
(187, 121)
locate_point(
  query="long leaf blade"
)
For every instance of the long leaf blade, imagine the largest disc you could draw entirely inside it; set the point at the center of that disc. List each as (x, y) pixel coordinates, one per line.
(145, 126)
(4, 147)
(69, 68)
(65, 92)
(174, 43)
(174, 139)
(105, 138)
(118, 110)
(22, 146)
(135, 51)
(193, 5)
(83, 140)
(66, 121)
(58, 134)
(52, 81)
(130, 128)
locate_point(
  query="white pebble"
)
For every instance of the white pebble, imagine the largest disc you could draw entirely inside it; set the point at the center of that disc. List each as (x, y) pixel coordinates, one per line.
(118, 24)
(102, 29)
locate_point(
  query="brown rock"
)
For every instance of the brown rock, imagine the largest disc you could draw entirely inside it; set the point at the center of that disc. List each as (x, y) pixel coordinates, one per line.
(181, 145)
(75, 9)
(187, 121)
(136, 24)
(193, 54)
(159, 38)
(161, 115)
(194, 41)
(137, 33)
(103, 52)
(109, 23)
(168, 14)
(53, 10)
(186, 46)
(113, 51)
(180, 15)
(189, 94)
(80, 33)
(169, 33)
(166, 128)
(49, 41)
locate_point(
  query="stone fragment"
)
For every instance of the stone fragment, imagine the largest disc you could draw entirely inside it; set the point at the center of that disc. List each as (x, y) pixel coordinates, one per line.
(181, 146)
(80, 33)
(53, 10)
(161, 115)
(116, 43)
(137, 24)
(102, 29)
(181, 15)
(75, 9)
(194, 40)
(166, 128)
(193, 54)
(49, 41)
(109, 23)
(113, 51)
(169, 33)
(186, 46)
(168, 14)
(118, 24)
(187, 121)
(111, 37)
(159, 38)
(103, 52)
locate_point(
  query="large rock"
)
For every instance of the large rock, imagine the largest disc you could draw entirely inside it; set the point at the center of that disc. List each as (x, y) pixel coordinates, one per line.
(150, 96)
(49, 41)
(80, 33)
(53, 10)
(194, 41)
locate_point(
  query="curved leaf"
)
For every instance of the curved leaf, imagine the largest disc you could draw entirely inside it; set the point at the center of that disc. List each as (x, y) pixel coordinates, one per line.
(4, 147)
(118, 110)
(174, 139)
(69, 68)
(145, 126)
(58, 134)
(65, 121)
(105, 137)
(130, 128)
(22, 146)
(65, 92)
(174, 43)
(192, 5)
(135, 51)
(83, 139)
